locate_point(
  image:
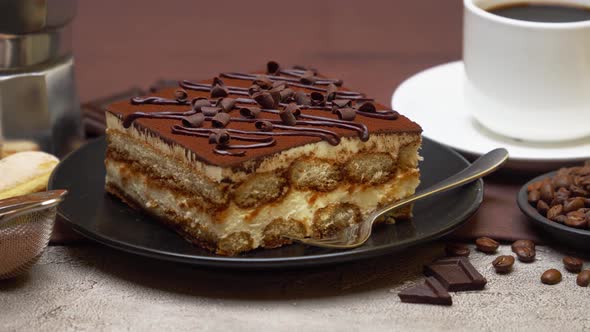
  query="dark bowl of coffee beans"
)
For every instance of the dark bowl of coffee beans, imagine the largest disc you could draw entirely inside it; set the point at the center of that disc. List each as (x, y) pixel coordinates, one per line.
(559, 202)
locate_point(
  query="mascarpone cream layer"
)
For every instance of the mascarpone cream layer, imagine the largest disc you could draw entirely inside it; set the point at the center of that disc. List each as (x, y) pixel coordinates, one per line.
(295, 205)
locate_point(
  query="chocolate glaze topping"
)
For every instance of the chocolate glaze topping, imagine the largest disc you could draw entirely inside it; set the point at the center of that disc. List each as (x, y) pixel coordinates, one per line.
(263, 109)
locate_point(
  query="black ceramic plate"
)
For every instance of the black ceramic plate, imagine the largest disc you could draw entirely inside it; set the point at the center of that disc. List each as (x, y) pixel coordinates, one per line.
(571, 237)
(105, 219)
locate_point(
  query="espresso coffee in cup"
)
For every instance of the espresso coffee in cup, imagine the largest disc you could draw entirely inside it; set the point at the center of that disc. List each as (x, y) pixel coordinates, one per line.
(539, 12)
(527, 67)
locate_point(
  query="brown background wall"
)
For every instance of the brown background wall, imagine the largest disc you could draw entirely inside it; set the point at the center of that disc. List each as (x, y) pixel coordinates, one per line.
(373, 45)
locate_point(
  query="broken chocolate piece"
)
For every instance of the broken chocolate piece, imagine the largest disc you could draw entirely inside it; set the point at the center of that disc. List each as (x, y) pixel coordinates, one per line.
(456, 274)
(430, 292)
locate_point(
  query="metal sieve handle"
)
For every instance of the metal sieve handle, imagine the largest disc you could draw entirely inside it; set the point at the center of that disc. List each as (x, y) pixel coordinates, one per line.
(16, 206)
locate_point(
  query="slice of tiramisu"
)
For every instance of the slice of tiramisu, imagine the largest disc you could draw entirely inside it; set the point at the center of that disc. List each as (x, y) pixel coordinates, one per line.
(239, 161)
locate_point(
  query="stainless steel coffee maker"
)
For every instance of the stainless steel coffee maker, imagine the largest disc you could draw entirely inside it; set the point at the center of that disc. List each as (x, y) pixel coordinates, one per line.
(38, 100)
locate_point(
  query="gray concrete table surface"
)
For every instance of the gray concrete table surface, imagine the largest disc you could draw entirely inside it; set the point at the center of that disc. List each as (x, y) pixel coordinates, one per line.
(91, 287)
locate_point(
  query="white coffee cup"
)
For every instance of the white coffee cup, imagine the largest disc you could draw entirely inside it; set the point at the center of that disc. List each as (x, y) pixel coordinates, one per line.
(527, 80)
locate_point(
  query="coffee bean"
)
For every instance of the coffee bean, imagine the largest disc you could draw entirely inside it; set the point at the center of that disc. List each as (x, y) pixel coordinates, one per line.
(535, 186)
(525, 254)
(542, 207)
(562, 180)
(551, 277)
(578, 191)
(561, 219)
(534, 196)
(573, 204)
(456, 249)
(554, 211)
(546, 192)
(560, 197)
(523, 243)
(503, 264)
(583, 278)
(573, 264)
(487, 245)
(576, 219)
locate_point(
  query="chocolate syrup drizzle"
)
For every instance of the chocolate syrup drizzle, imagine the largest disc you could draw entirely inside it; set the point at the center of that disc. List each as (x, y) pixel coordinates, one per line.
(266, 127)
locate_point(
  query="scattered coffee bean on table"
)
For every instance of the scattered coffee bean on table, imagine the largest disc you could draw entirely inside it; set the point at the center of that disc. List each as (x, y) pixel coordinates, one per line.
(573, 264)
(583, 278)
(503, 264)
(487, 245)
(565, 197)
(457, 249)
(551, 277)
(525, 254)
(523, 243)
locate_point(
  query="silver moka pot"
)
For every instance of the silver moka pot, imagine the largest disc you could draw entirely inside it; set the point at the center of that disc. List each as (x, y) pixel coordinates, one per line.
(38, 100)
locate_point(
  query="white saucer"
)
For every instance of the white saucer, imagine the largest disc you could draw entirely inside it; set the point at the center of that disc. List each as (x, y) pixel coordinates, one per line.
(434, 99)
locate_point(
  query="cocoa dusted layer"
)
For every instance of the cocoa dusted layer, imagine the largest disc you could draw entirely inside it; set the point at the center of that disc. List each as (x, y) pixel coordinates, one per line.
(305, 93)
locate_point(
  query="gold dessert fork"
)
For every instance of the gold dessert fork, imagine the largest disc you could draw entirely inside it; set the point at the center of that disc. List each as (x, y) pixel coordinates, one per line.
(357, 234)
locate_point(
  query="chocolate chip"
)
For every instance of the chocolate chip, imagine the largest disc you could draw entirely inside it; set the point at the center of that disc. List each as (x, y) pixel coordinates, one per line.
(301, 98)
(272, 68)
(487, 245)
(503, 264)
(525, 254)
(265, 99)
(583, 279)
(180, 95)
(286, 95)
(341, 103)
(551, 277)
(220, 120)
(279, 85)
(331, 92)
(263, 81)
(199, 103)
(308, 78)
(210, 110)
(573, 264)
(367, 107)
(227, 104)
(253, 89)
(287, 114)
(263, 125)
(217, 81)
(456, 249)
(347, 114)
(219, 137)
(219, 91)
(194, 120)
(317, 98)
(249, 112)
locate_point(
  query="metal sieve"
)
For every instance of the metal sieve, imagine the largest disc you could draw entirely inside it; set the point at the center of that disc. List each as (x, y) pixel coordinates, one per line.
(26, 223)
